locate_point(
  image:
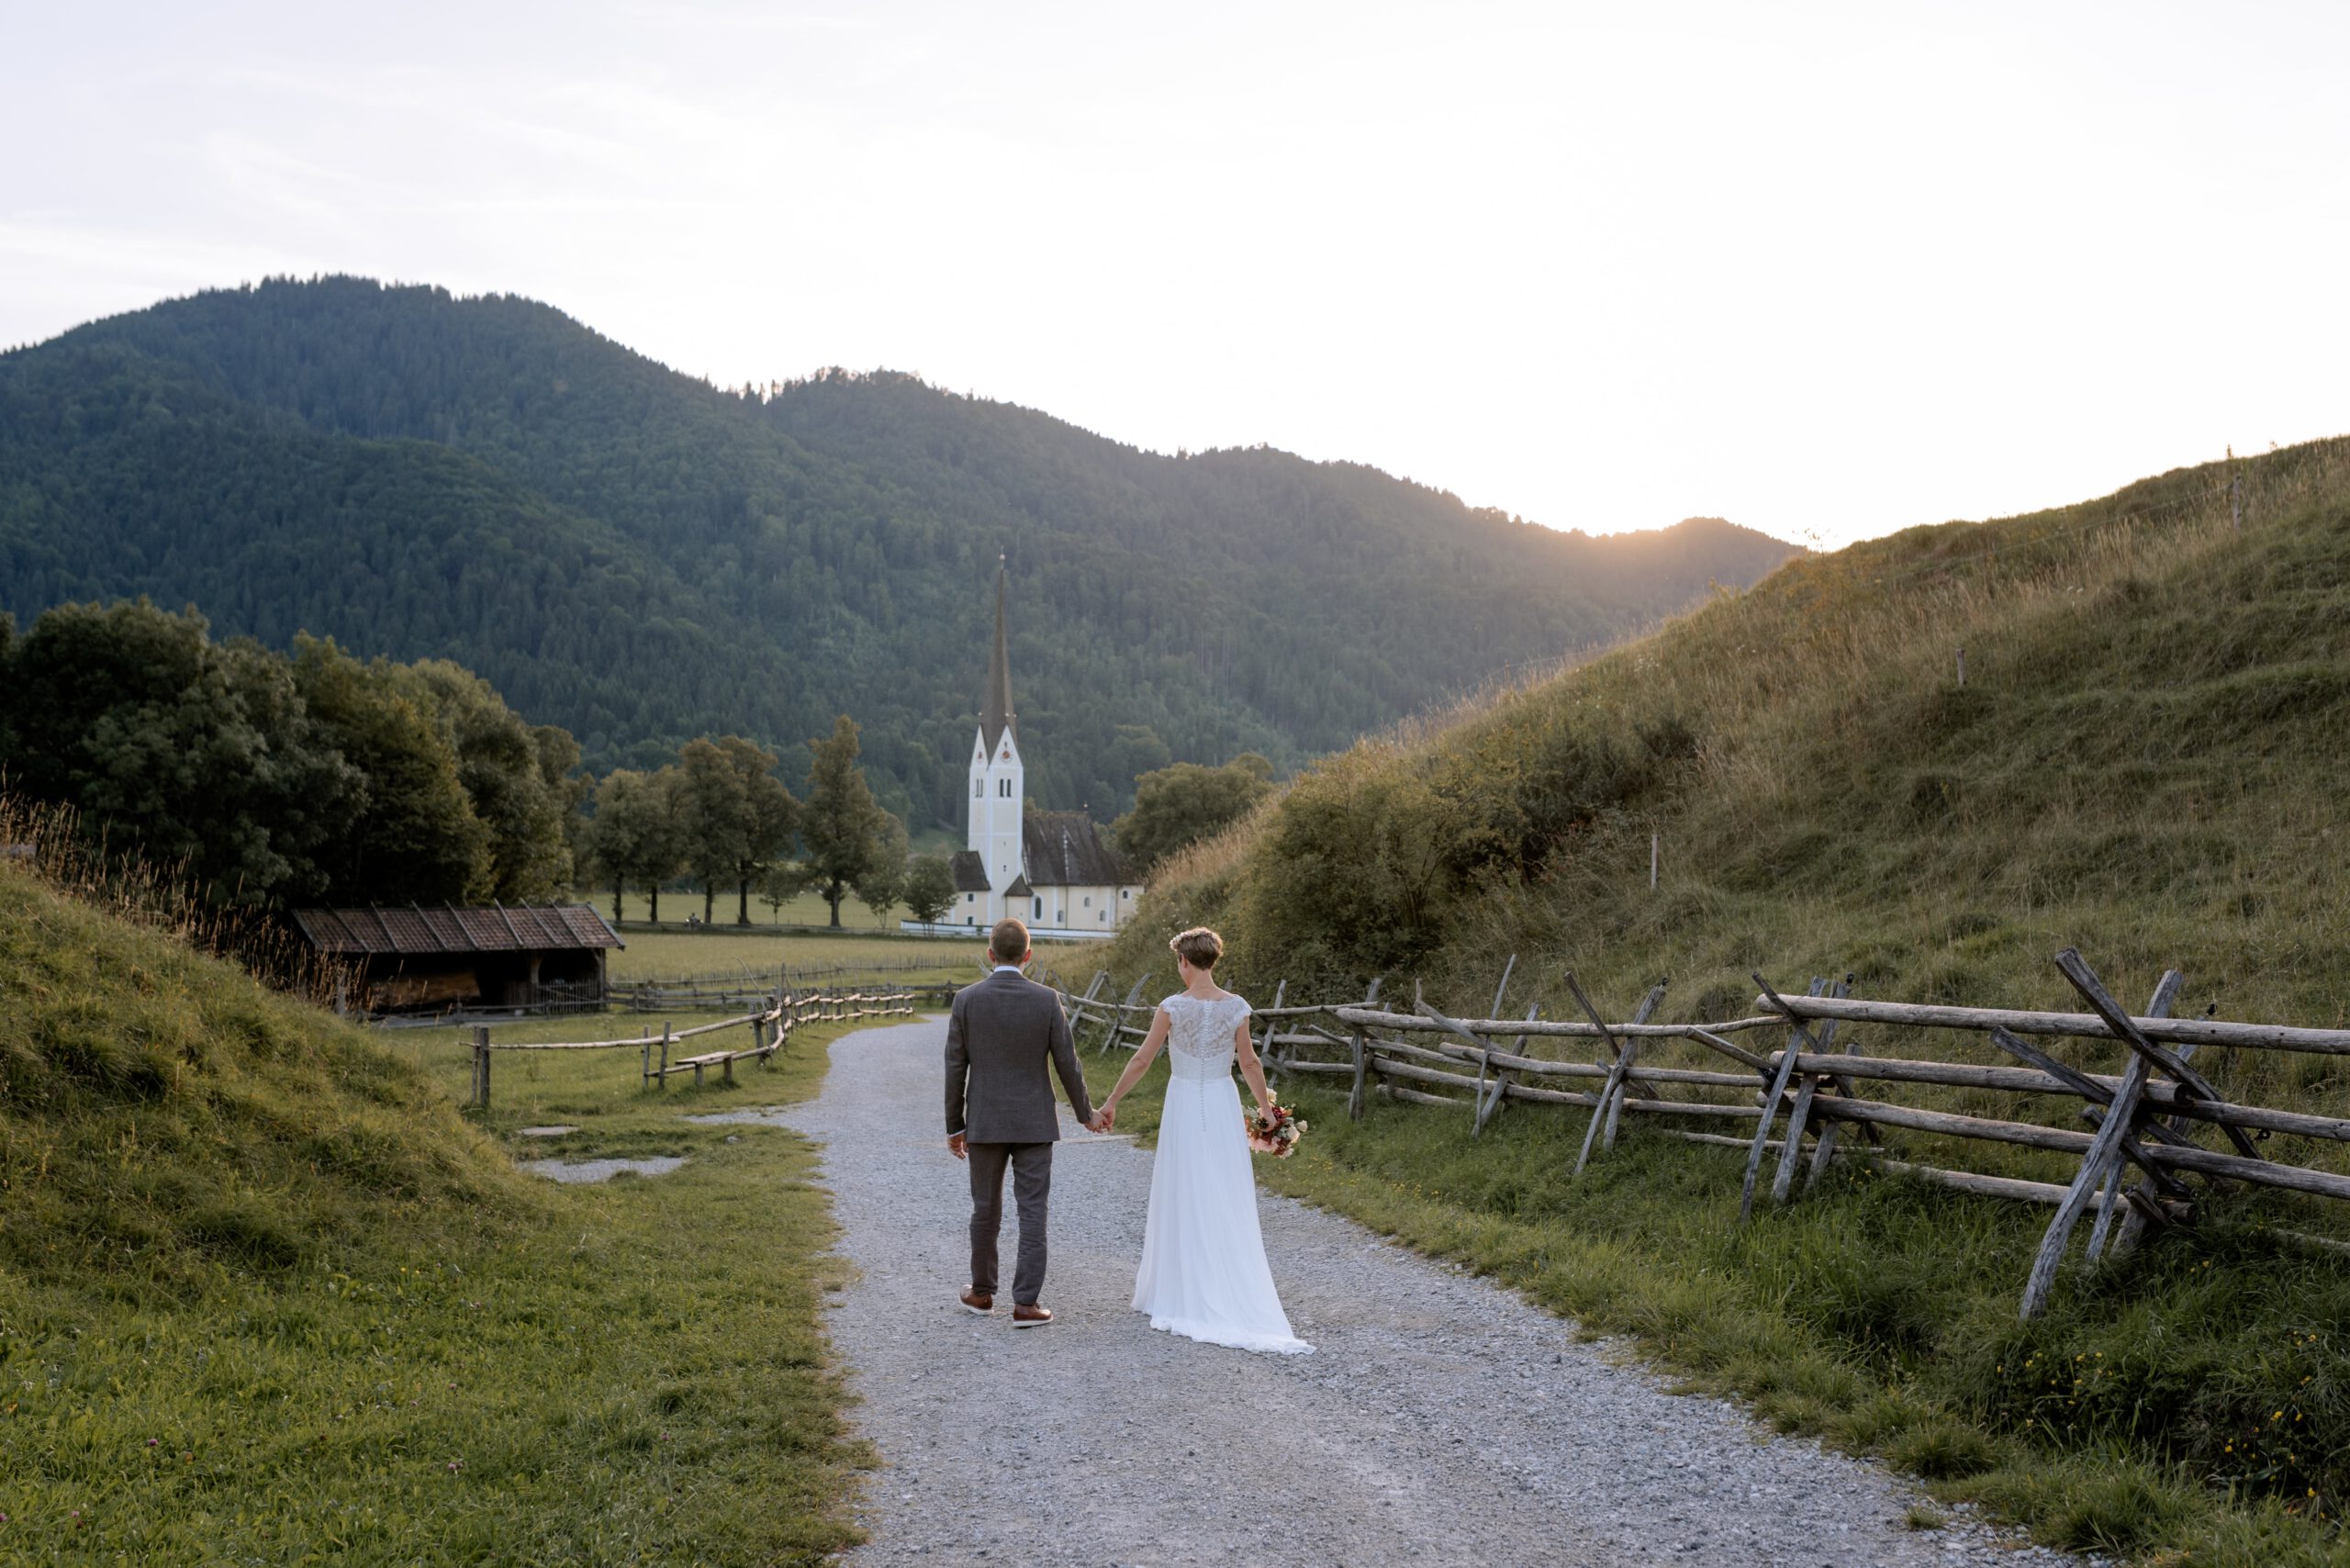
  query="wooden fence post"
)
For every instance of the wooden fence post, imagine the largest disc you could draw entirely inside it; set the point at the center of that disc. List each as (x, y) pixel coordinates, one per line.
(1488, 1104)
(1265, 1045)
(663, 1080)
(1362, 1059)
(1477, 1102)
(1789, 1150)
(2133, 1223)
(1118, 1018)
(1615, 1071)
(2117, 1124)
(481, 1066)
(2119, 1114)
(1797, 1037)
(1640, 1014)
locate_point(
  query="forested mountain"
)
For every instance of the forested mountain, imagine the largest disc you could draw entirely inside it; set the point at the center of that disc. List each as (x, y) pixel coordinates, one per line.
(639, 557)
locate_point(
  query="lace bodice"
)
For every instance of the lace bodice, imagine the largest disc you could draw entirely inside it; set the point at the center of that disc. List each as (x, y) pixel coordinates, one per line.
(1199, 1036)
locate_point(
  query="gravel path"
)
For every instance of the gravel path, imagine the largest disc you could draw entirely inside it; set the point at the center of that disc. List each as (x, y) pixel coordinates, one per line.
(1441, 1421)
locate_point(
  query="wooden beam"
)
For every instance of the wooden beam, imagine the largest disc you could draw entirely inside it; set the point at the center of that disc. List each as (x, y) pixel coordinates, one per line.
(2079, 1026)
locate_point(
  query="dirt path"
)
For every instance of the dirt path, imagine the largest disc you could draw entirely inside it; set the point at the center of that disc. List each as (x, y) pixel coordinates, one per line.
(1442, 1420)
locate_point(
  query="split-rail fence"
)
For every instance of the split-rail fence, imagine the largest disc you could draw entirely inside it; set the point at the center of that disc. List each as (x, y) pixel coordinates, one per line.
(770, 1024)
(2142, 1135)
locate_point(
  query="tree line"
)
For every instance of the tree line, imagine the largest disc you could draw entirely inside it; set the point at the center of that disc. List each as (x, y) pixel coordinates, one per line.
(273, 779)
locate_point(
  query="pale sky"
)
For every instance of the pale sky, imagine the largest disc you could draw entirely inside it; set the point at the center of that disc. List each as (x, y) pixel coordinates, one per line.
(1826, 270)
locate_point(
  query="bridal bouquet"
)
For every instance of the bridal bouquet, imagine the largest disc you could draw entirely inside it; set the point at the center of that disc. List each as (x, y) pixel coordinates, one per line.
(1274, 1130)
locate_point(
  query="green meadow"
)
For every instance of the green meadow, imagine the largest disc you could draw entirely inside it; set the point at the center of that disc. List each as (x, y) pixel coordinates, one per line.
(267, 1295)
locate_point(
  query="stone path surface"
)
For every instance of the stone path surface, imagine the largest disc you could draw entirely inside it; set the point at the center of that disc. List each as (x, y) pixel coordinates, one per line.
(1442, 1420)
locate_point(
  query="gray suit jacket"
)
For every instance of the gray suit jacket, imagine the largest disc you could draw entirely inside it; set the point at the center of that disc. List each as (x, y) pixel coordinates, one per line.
(997, 1037)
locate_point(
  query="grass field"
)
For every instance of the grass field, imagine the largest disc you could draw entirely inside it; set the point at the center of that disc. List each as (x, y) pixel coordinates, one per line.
(2143, 760)
(805, 910)
(266, 1297)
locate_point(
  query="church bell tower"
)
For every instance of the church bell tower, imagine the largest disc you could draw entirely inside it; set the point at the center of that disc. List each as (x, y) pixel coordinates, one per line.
(997, 795)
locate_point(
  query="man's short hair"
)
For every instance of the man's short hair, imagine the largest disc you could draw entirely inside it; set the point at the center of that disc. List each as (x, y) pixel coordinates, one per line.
(1009, 941)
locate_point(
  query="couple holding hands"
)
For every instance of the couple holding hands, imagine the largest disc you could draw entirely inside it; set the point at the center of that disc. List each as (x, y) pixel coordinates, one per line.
(1204, 1272)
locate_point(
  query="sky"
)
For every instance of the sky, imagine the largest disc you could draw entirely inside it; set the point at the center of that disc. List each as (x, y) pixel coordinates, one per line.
(1826, 270)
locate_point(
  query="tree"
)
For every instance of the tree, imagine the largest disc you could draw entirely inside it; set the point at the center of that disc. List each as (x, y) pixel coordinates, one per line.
(504, 765)
(739, 818)
(1181, 805)
(785, 880)
(929, 892)
(884, 881)
(844, 828)
(637, 833)
(416, 839)
(189, 751)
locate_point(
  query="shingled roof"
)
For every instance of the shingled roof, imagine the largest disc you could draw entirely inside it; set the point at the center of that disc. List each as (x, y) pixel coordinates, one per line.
(1064, 849)
(499, 928)
(970, 871)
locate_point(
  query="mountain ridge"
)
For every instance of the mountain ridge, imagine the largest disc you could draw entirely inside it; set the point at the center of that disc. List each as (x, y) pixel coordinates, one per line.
(641, 556)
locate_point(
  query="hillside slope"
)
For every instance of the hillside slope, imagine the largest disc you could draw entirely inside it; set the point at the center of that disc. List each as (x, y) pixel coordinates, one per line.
(639, 556)
(266, 1296)
(2143, 759)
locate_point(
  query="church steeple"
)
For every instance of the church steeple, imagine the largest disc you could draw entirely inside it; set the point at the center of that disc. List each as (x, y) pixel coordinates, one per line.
(998, 716)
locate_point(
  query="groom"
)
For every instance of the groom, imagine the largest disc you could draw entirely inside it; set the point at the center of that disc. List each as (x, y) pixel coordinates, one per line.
(1000, 1111)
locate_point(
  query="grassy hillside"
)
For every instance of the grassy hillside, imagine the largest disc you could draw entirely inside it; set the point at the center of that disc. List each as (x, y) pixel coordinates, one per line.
(641, 557)
(266, 1296)
(2145, 760)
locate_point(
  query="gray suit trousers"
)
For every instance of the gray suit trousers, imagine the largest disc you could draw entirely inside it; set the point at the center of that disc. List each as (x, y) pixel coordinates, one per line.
(1032, 1183)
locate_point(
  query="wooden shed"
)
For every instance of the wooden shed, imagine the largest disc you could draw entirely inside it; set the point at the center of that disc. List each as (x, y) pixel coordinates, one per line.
(501, 955)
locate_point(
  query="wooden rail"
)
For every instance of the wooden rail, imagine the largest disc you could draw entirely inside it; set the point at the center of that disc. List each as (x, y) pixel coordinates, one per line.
(771, 1028)
(2134, 1132)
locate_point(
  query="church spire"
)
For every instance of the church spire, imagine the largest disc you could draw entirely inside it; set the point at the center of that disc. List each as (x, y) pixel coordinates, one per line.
(998, 716)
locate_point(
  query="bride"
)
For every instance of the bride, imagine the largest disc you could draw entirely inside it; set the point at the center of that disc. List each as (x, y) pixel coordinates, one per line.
(1204, 1272)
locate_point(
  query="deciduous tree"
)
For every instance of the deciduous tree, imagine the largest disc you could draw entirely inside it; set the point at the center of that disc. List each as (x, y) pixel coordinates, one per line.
(929, 892)
(1181, 805)
(846, 829)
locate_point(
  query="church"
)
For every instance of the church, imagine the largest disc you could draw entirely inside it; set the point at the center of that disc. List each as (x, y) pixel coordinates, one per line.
(1049, 868)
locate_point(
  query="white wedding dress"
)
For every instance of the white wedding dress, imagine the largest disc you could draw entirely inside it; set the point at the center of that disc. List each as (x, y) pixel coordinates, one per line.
(1203, 1273)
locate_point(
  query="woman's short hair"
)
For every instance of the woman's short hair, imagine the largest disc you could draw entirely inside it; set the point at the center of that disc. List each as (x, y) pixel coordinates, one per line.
(1199, 947)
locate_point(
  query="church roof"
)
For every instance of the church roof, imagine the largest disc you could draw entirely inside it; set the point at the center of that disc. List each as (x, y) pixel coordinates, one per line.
(996, 715)
(1064, 849)
(970, 871)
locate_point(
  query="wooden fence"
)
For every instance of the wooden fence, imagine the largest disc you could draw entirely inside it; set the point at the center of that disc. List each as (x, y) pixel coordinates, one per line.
(770, 1025)
(2137, 1138)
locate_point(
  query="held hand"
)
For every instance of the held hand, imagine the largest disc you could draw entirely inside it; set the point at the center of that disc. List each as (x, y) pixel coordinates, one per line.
(955, 1145)
(1106, 1117)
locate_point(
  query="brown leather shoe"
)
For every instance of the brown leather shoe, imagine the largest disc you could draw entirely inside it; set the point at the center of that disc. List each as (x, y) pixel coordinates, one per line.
(975, 1302)
(1031, 1316)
